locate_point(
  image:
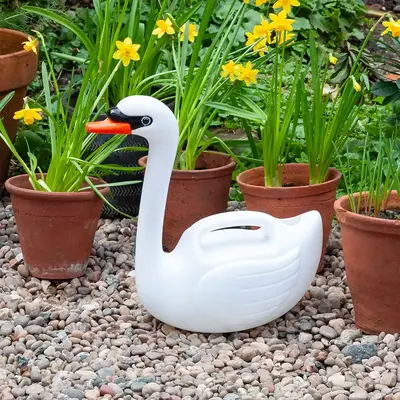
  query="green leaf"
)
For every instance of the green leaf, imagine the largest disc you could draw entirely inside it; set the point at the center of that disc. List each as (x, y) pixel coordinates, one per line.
(64, 22)
(384, 89)
(301, 23)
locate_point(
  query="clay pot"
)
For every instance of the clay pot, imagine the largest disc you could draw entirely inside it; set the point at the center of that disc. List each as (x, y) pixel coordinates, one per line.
(56, 230)
(194, 195)
(371, 248)
(17, 69)
(287, 202)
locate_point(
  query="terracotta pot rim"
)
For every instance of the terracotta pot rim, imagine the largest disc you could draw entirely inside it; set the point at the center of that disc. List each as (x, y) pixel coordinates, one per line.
(210, 173)
(14, 188)
(291, 191)
(24, 38)
(365, 222)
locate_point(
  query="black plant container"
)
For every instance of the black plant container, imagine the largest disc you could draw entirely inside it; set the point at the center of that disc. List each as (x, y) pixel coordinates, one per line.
(124, 198)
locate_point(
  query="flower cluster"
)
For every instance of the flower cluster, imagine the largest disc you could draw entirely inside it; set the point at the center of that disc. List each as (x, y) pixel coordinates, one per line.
(393, 27)
(285, 4)
(244, 73)
(278, 29)
(165, 27)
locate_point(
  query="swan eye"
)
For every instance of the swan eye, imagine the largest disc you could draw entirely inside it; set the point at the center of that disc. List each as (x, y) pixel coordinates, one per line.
(146, 121)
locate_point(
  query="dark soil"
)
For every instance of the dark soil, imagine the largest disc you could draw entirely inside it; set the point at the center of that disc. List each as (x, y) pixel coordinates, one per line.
(387, 214)
(384, 5)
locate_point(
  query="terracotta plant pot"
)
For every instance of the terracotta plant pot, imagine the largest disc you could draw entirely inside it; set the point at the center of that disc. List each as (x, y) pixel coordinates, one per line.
(17, 69)
(287, 202)
(371, 249)
(194, 195)
(56, 230)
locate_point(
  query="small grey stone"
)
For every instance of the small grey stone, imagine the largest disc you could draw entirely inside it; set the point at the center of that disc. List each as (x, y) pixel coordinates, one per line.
(358, 394)
(305, 337)
(154, 355)
(50, 351)
(151, 388)
(36, 376)
(22, 320)
(247, 353)
(74, 393)
(317, 292)
(121, 258)
(328, 332)
(389, 379)
(5, 314)
(359, 352)
(231, 396)
(34, 389)
(106, 372)
(374, 361)
(349, 335)
(140, 383)
(34, 329)
(23, 270)
(6, 328)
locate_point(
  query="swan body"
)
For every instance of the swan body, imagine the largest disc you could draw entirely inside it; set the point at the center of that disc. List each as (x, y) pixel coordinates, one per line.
(216, 280)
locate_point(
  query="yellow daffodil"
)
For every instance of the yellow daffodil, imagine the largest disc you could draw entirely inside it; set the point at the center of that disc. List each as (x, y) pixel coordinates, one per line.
(285, 37)
(263, 30)
(261, 2)
(280, 22)
(247, 73)
(393, 27)
(28, 114)
(127, 51)
(250, 38)
(332, 59)
(192, 32)
(164, 27)
(30, 45)
(356, 85)
(230, 69)
(286, 5)
(261, 47)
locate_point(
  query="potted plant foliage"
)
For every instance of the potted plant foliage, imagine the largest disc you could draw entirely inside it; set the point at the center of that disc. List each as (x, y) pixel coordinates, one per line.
(18, 68)
(124, 31)
(284, 189)
(201, 179)
(369, 216)
(57, 212)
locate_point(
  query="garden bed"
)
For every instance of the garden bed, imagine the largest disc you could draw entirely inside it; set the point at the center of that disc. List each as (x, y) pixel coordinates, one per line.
(91, 337)
(384, 5)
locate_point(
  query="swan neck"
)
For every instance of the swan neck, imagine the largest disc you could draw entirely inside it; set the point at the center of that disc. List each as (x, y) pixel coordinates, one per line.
(157, 176)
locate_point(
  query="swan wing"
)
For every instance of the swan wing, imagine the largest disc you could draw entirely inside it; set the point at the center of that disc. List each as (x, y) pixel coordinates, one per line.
(247, 291)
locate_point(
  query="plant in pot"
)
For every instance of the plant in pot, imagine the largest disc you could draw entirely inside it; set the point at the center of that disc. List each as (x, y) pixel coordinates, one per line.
(123, 29)
(18, 68)
(288, 189)
(201, 179)
(57, 212)
(369, 217)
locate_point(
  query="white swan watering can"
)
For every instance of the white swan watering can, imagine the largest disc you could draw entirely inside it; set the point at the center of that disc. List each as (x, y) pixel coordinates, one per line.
(216, 280)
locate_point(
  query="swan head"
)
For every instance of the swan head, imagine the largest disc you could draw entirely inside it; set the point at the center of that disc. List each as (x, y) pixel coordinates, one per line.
(137, 115)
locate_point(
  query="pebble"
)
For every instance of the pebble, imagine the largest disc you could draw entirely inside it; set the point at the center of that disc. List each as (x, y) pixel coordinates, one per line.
(74, 393)
(360, 351)
(328, 332)
(151, 388)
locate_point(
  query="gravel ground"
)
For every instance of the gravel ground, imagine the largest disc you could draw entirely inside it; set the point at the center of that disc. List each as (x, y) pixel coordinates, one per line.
(90, 338)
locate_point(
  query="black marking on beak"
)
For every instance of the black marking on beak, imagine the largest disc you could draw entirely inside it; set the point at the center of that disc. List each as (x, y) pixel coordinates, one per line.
(116, 115)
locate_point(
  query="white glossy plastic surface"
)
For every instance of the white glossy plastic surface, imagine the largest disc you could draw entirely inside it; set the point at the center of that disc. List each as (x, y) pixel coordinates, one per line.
(215, 281)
